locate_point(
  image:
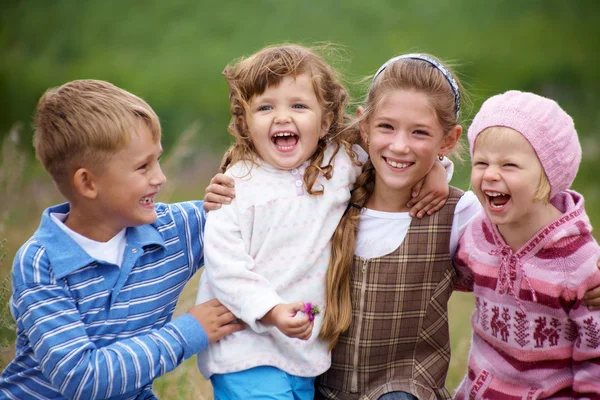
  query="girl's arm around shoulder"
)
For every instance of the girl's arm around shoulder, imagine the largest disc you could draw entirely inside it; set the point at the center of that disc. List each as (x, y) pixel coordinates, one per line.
(430, 194)
(467, 208)
(466, 211)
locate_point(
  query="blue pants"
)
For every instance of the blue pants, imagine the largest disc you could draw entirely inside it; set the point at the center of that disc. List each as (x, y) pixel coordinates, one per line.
(262, 383)
(398, 396)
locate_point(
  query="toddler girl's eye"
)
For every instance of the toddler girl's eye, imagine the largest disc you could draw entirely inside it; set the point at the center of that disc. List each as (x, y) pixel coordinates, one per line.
(299, 106)
(510, 165)
(265, 108)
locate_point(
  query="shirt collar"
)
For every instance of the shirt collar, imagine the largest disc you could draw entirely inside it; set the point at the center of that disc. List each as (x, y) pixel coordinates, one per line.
(67, 256)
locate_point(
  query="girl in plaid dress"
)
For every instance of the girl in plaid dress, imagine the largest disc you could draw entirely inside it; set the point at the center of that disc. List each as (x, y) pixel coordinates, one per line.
(386, 318)
(390, 276)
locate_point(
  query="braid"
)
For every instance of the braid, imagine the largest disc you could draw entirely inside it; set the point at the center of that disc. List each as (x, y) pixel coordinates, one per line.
(338, 306)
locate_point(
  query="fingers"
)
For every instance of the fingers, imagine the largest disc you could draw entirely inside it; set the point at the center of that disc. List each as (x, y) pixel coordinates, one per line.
(301, 328)
(213, 201)
(419, 209)
(437, 207)
(226, 318)
(307, 333)
(296, 307)
(432, 207)
(416, 190)
(219, 191)
(222, 179)
(222, 190)
(592, 299)
(225, 330)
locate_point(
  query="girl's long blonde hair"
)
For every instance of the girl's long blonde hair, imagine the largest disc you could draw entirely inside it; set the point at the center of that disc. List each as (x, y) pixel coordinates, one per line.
(407, 73)
(251, 76)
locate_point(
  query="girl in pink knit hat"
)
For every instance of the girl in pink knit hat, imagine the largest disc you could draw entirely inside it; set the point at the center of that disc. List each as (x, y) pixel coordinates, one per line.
(530, 258)
(390, 277)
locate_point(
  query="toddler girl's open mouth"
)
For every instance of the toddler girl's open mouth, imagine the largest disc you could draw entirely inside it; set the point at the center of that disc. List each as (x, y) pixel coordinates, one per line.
(285, 141)
(497, 200)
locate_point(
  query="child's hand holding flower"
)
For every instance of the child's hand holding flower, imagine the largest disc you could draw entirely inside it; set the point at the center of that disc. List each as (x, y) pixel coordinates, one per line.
(284, 318)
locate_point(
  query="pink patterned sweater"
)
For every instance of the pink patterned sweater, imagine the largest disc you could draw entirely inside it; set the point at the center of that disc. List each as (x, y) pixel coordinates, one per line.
(532, 337)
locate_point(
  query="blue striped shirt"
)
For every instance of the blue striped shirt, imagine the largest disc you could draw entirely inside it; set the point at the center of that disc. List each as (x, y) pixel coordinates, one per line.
(87, 329)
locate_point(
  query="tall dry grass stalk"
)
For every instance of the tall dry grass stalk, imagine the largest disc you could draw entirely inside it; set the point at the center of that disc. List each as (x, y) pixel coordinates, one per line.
(11, 171)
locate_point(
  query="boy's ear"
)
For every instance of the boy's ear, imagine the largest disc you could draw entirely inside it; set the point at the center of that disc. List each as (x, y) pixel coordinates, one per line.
(84, 183)
(451, 139)
(326, 124)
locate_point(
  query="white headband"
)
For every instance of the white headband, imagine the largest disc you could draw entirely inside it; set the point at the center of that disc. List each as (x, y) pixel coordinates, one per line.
(436, 64)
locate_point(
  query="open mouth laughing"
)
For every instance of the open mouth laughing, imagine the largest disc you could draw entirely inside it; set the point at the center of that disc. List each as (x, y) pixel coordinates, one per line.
(497, 200)
(285, 141)
(148, 200)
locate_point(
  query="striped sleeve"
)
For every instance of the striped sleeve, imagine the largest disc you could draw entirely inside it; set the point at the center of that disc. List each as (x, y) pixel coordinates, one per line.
(586, 349)
(71, 362)
(190, 220)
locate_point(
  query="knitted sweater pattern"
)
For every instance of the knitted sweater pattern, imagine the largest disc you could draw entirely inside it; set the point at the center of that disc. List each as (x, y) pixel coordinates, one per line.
(532, 337)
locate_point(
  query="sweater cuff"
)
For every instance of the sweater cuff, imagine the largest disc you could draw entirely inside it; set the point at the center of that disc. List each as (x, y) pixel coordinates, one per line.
(256, 308)
(192, 334)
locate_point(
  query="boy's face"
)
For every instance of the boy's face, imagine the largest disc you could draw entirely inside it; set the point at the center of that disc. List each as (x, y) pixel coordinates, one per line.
(131, 178)
(505, 175)
(286, 121)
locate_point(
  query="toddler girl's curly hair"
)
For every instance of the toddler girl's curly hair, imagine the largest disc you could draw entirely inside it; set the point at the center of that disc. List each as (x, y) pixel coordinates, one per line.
(251, 76)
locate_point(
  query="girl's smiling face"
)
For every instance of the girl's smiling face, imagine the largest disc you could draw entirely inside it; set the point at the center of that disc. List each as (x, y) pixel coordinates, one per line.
(505, 176)
(404, 136)
(286, 122)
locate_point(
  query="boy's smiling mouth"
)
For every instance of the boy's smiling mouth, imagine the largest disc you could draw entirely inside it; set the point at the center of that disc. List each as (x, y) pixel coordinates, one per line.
(148, 200)
(285, 141)
(497, 200)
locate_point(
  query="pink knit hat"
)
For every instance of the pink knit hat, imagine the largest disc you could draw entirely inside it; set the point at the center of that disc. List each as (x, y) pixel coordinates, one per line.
(547, 127)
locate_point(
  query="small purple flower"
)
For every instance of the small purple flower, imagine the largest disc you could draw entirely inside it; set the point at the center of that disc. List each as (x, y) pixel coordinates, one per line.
(311, 310)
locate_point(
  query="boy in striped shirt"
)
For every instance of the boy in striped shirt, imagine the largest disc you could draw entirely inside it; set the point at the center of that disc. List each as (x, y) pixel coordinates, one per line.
(95, 287)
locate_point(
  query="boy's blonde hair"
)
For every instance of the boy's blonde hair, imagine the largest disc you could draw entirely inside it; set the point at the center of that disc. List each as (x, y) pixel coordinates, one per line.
(495, 134)
(251, 76)
(82, 123)
(408, 74)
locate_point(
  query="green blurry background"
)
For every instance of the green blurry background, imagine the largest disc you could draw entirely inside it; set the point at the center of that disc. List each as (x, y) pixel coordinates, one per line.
(171, 53)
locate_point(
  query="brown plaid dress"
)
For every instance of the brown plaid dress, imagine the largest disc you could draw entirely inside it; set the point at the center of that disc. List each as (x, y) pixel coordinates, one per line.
(398, 339)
